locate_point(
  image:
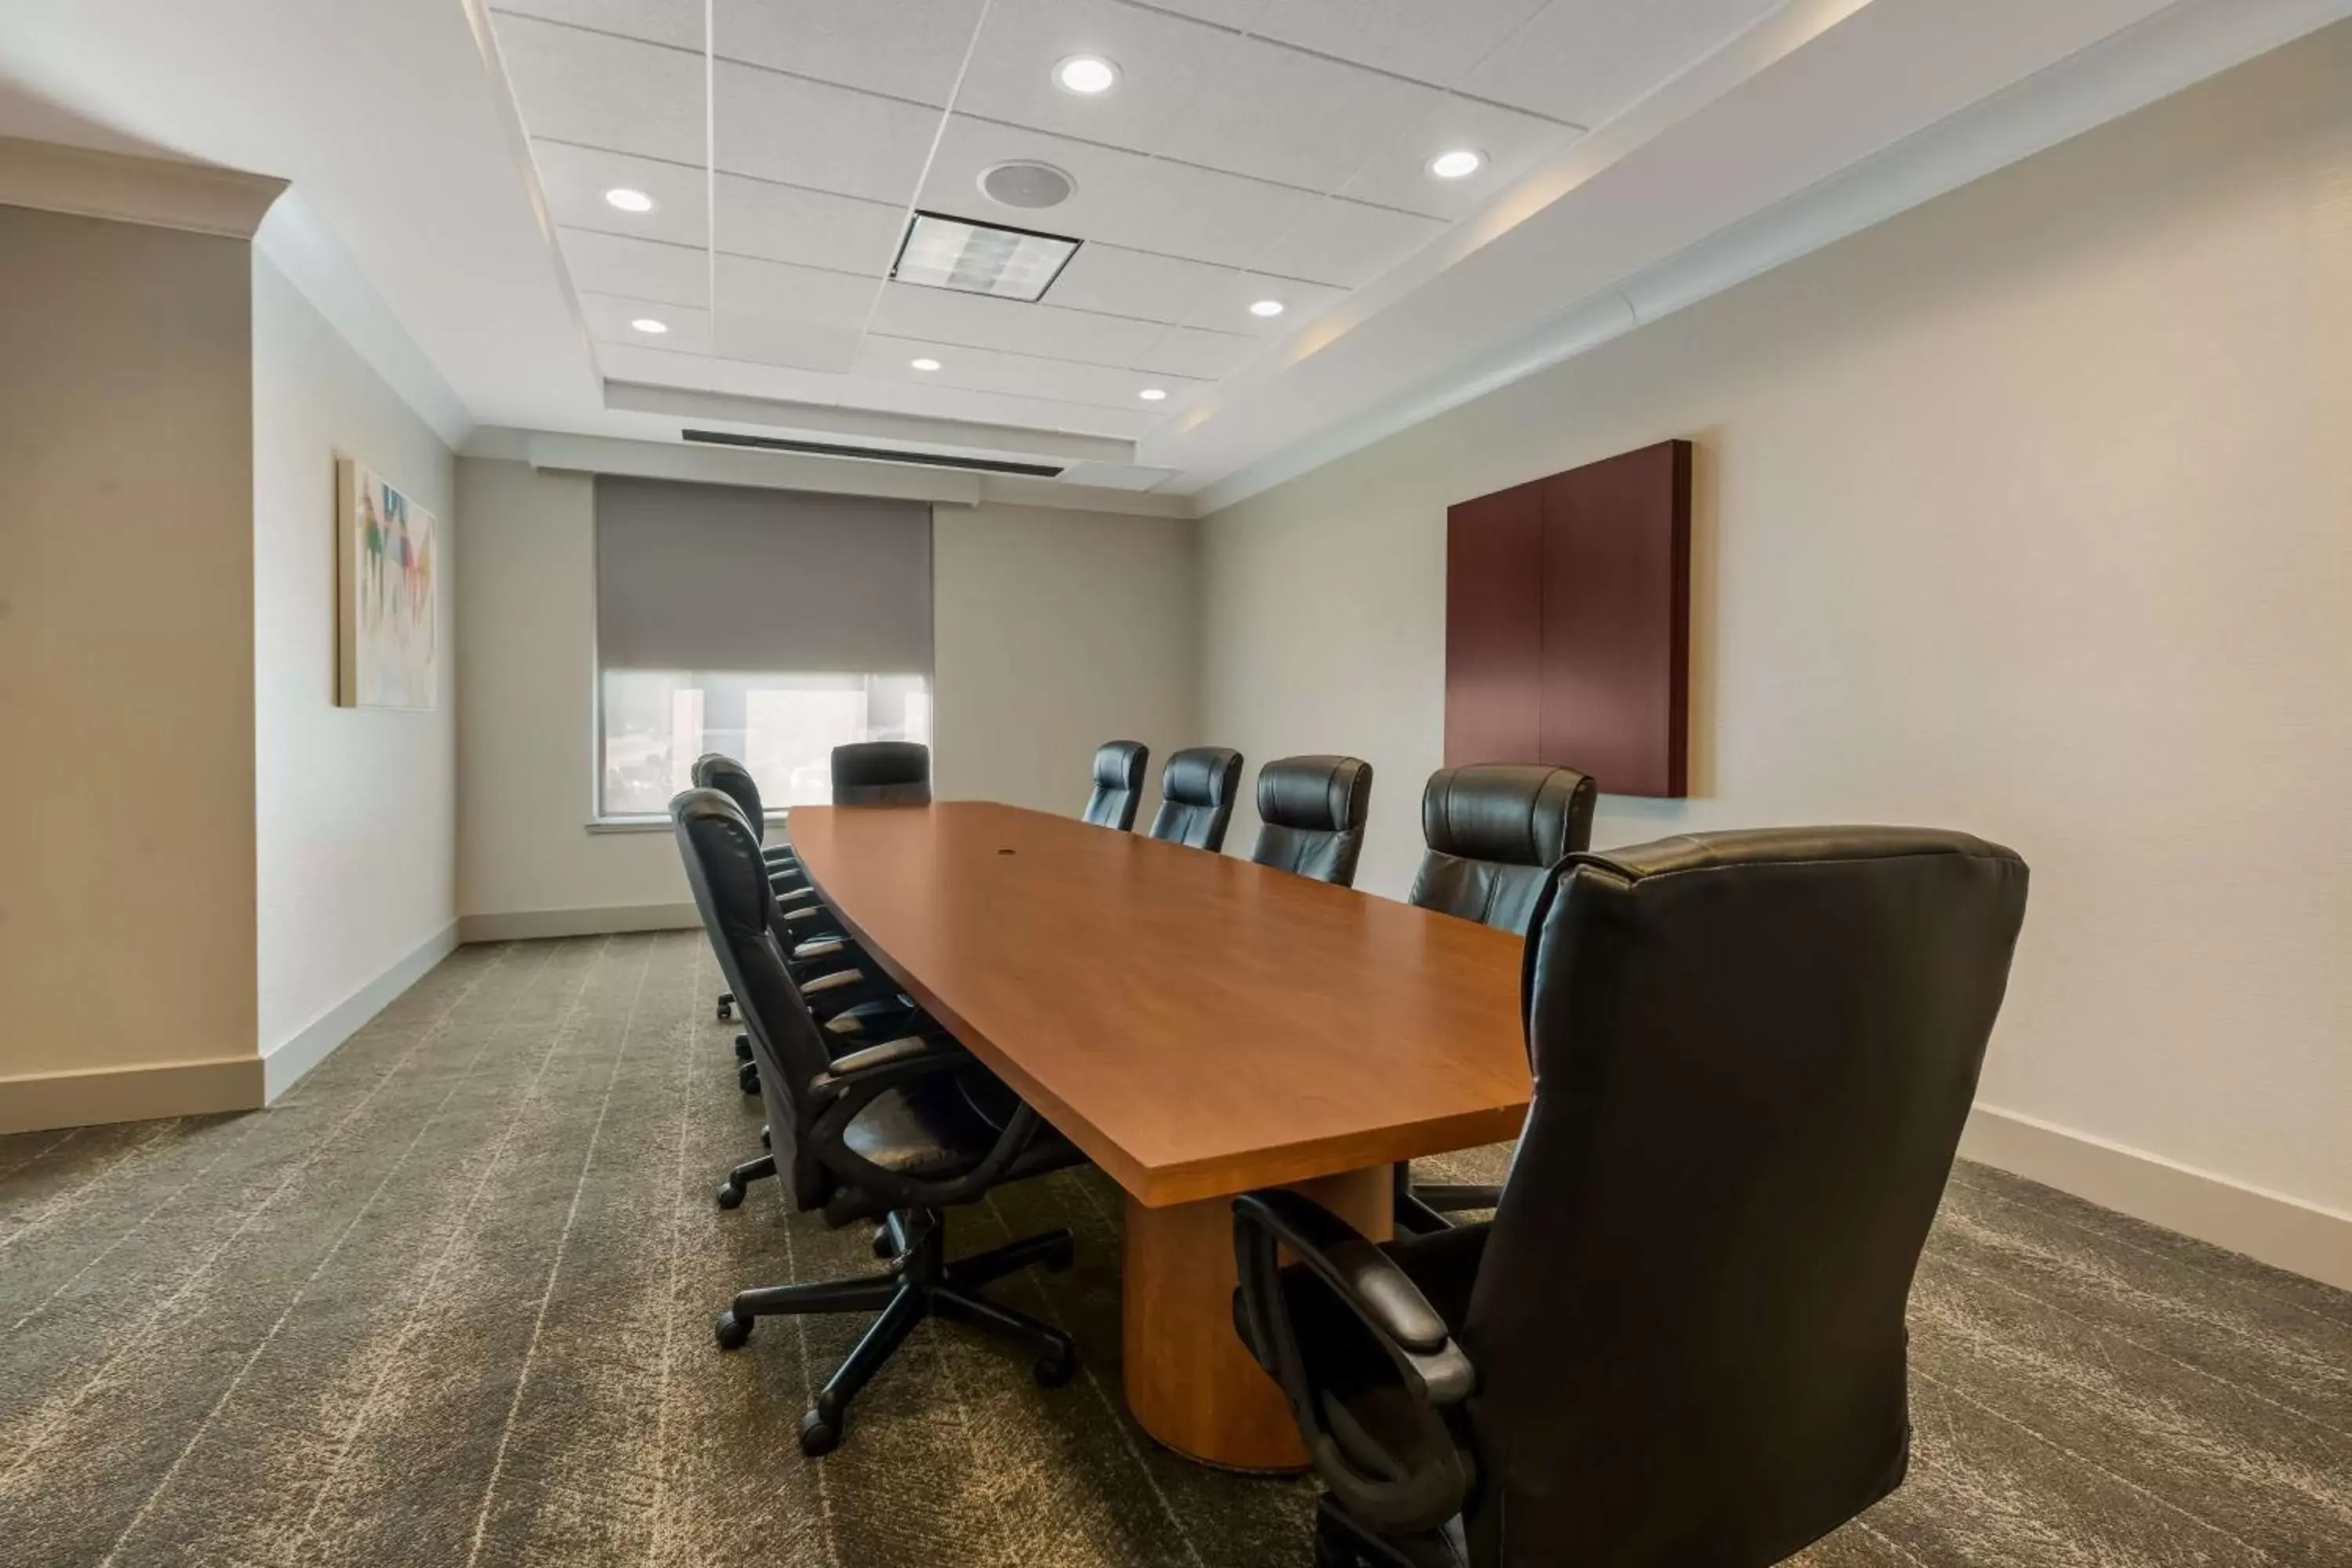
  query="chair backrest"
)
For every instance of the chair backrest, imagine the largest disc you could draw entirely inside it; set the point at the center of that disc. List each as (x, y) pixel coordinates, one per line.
(730, 890)
(1312, 812)
(1494, 831)
(716, 769)
(882, 773)
(1119, 783)
(1753, 1054)
(1196, 796)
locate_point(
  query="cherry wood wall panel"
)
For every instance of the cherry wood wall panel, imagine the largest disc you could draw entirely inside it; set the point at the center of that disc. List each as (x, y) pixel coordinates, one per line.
(1494, 627)
(1600, 680)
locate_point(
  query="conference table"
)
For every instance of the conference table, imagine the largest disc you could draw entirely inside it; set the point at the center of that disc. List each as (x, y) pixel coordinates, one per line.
(1200, 1026)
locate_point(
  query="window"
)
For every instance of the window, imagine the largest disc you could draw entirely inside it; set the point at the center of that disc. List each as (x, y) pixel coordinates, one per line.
(782, 726)
(771, 625)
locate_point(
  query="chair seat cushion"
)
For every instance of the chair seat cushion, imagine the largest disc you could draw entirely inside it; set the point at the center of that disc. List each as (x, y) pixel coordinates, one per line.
(939, 1127)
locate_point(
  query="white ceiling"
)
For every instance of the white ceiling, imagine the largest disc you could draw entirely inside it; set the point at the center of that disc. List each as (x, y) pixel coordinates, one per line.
(1252, 149)
(1264, 149)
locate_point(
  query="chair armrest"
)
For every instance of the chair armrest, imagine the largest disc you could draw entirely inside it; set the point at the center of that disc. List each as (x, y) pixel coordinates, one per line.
(1365, 1278)
(1426, 1483)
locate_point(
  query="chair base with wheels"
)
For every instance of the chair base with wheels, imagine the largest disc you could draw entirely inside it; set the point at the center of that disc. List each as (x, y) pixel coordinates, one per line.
(919, 1283)
(1423, 1209)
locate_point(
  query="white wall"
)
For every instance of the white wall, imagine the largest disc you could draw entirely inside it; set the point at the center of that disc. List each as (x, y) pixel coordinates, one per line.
(2028, 512)
(356, 843)
(1055, 631)
(126, 676)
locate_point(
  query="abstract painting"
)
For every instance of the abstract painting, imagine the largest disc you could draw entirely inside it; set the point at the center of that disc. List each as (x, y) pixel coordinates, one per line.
(389, 633)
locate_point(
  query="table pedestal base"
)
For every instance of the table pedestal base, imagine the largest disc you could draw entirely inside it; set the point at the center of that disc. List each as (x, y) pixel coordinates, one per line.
(1188, 1381)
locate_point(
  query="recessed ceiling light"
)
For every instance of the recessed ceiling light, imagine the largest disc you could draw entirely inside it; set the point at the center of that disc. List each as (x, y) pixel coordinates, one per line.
(1153, 395)
(924, 364)
(629, 201)
(648, 324)
(1457, 164)
(941, 252)
(1267, 308)
(1086, 75)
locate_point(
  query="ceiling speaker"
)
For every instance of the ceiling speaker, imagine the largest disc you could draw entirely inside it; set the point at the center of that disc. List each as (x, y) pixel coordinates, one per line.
(1023, 184)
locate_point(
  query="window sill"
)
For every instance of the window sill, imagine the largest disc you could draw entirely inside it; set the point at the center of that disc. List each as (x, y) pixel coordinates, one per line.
(629, 825)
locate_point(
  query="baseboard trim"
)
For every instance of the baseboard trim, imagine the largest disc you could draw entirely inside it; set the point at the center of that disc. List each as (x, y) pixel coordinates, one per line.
(527, 925)
(42, 1100)
(2271, 1227)
(284, 1064)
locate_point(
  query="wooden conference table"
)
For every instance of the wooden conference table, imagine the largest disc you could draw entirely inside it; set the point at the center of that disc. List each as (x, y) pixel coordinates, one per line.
(1200, 1026)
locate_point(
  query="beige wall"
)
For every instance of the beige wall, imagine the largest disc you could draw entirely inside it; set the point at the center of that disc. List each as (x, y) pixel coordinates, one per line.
(1056, 631)
(526, 712)
(2028, 512)
(126, 664)
(356, 851)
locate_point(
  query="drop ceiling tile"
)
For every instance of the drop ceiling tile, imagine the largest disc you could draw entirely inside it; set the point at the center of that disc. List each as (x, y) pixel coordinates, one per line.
(1347, 243)
(1017, 413)
(801, 295)
(1014, 375)
(1279, 114)
(1165, 62)
(1197, 353)
(1120, 282)
(1223, 13)
(602, 91)
(943, 318)
(1122, 198)
(654, 367)
(823, 137)
(1396, 172)
(677, 23)
(781, 222)
(904, 48)
(800, 344)
(1227, 309)
(637, 268)
(609, 316)
(1585, 60)
(576, 178)
(1428, 42)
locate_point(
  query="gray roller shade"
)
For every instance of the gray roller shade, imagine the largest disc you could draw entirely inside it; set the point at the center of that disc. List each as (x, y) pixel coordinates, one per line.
(713, 577)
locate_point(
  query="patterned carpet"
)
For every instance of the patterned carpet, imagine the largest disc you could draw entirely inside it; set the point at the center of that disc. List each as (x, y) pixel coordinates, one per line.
(450, 1303)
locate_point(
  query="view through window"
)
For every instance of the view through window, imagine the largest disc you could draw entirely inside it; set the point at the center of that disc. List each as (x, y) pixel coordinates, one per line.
(783, 727)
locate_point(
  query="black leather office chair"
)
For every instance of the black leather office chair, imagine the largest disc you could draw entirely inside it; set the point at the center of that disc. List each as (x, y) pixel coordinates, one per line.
(897, 1132)
(716, 769)
(1311, 812)
(1119, 783)
(1681, 1339)
(1494, 831)
(1196, 796)
(882, 773)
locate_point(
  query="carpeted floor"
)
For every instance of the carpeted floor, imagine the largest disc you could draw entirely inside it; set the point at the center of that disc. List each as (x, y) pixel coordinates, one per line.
(450, 1303)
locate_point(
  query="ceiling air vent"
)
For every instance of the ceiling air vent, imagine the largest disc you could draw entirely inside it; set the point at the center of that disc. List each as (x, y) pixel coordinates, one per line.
(873, 454)
(1027, 184)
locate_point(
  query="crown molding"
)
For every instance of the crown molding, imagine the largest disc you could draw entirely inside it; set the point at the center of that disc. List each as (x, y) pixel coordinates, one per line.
(2173, 49)
(163, 193)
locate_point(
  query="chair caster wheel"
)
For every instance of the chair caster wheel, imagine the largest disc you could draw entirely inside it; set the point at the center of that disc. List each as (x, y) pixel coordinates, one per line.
(1053, 1370)
(726, 1008)
(730, 1195)
(743, 1047)
(747, 1078)
(882, 1247)
(733, 1332)
(818, 1435)
(765, 1141)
